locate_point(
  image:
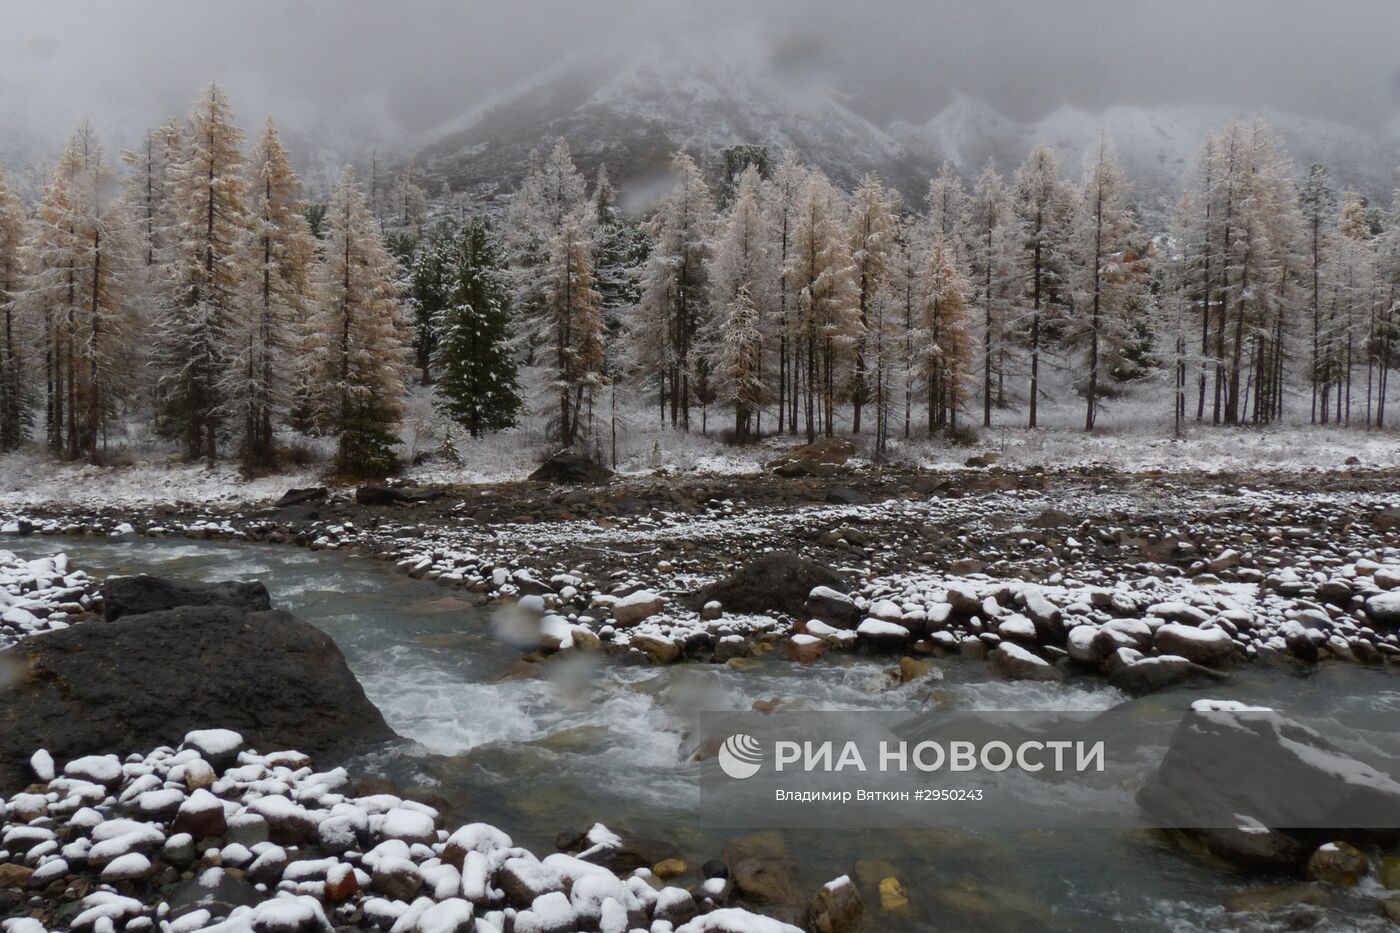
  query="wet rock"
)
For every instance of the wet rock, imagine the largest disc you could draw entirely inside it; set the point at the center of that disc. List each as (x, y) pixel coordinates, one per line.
(1253, 847)
(1226, 759)
(127, 596)
(832, 607)
(836, 908)
(637, 607)
(1337, 863)
(777, 581)
(657, 649)
(766, 879)
(1201, 645)
(1149, 675)
(201, 816)
(569, 467)
(845, 495)
(1277, 897)
(179, 671)
(1016, 663)
(1384, 609)
(911, 669)
(804, 649)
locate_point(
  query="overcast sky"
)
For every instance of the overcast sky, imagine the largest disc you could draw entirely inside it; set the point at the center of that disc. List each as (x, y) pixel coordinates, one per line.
(365, 68)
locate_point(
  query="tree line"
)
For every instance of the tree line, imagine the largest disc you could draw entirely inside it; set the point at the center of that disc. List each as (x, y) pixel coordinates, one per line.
(202, 289)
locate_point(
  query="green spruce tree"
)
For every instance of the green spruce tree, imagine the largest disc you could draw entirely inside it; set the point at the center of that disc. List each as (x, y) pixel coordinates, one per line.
(475, 368)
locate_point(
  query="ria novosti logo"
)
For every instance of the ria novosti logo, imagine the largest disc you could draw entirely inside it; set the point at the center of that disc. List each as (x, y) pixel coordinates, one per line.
(741, 756)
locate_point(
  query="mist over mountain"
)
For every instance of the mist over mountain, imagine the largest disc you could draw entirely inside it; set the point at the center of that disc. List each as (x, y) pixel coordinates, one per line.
(632, 115)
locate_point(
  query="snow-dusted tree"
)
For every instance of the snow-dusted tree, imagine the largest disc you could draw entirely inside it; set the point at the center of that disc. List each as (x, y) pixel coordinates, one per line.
(52, 255)
(476, 381)
(945, 334)
(1351, 281)
(358, 341)
(739, 267)
(427, 294)
(827, 313)
(267, 334)
(988, 228)
(574, 330)
(103, 350)
(1318, 206)
(871, 224)
(75, 258)
(674, 288)
(1105, 273)
(552, 191)
(905, 297)
(781, 198)
(619, 249)
(15, 395)
(1260, 233)
(1197, 262)
(1043, 206)
(206, 270)
(1388, 274)
(947, 209)
(149, 190)
(410, 199)
(737, 359)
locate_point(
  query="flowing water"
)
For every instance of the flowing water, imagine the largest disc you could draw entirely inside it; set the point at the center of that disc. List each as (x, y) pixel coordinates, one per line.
(600, 741)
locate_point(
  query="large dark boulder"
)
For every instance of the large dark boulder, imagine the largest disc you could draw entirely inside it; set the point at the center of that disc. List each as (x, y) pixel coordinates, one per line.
(1150, 675)
(1228, 763)
(779, 581)
(300, 496)
(567, 467)
(129, 596)
(389, 495)
(88, 689)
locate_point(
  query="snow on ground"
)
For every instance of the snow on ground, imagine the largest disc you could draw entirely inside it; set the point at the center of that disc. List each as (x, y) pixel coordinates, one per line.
(30, 478)
(1135, 435)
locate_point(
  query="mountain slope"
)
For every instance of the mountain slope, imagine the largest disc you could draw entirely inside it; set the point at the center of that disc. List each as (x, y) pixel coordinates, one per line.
(633, 113)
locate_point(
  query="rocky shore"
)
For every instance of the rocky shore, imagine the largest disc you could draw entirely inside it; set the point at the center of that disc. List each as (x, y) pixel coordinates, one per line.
(208, 834)
(1148, 580)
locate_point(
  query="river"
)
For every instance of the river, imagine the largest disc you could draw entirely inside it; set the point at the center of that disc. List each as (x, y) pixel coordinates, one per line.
(602, 741)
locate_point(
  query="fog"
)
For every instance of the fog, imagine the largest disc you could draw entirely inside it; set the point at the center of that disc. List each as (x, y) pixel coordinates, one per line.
(349, 72)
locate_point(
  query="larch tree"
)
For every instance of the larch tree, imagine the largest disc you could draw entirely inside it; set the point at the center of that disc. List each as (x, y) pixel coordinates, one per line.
(476, 370)
(674, 288)
(781, 197)
(359, 343)
(150, 188)
(988, 228)
(827, 313)
(736, 362)
(53, 256)
(1105, 278)
(1042, 206)
(1318, 205)
(739, 267)
(1352, 280)
(905, 291)
(15, 395)
(206, 270)
(104, 356)
(575, 332)
(945, 334)
(266, 337)
(871, 224)
(552, 192)
(946, 206)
